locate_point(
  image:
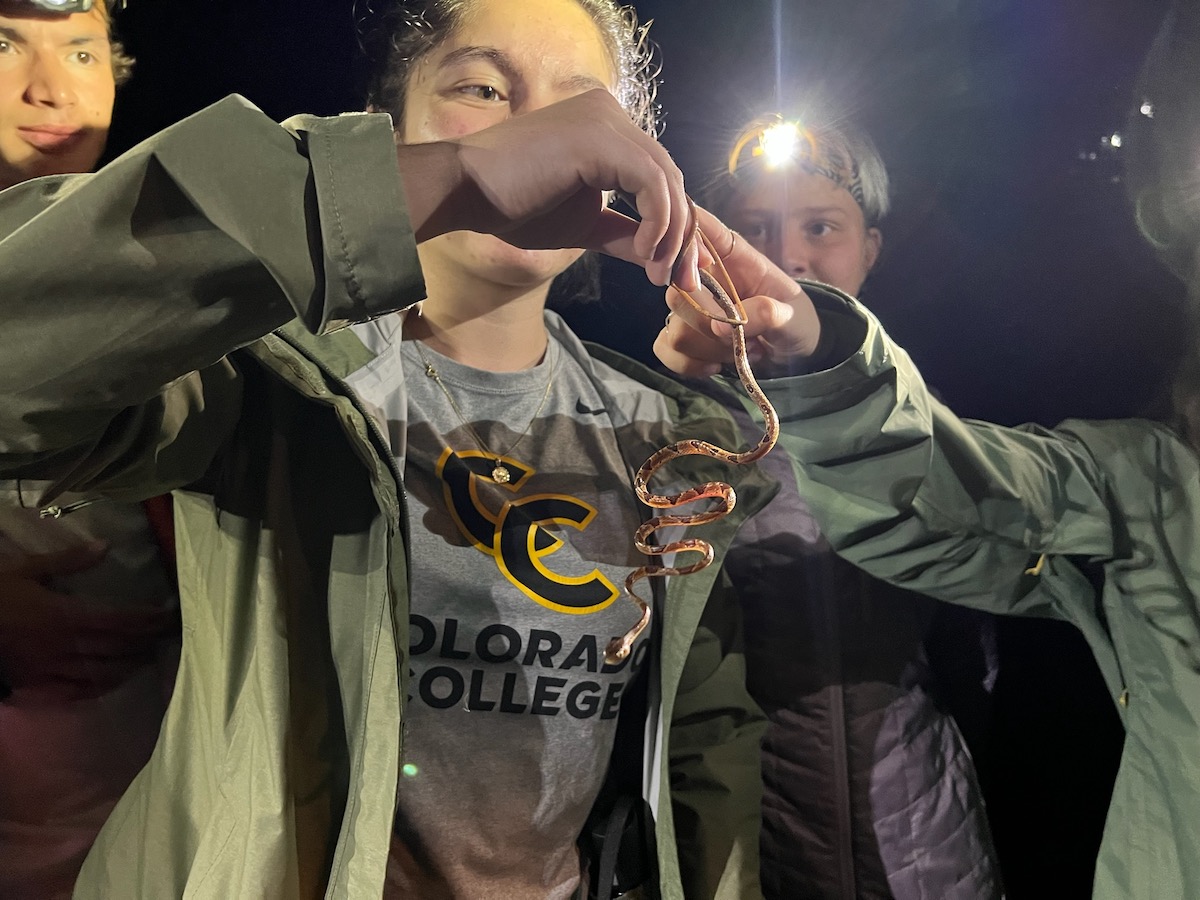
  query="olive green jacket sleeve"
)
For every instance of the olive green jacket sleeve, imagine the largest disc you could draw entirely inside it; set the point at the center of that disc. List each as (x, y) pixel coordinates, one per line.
(125, 291)
(960, 510)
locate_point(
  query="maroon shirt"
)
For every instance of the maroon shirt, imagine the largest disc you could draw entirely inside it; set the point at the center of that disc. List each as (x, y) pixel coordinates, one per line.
(87, 668)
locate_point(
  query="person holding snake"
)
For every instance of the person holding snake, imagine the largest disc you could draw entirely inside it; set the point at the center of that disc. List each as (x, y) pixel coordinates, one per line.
(858, 747)
(405, 493)
(1092, 522)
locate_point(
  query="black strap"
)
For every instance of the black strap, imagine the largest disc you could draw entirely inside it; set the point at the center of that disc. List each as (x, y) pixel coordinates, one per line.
(618, 841)
(606, 872)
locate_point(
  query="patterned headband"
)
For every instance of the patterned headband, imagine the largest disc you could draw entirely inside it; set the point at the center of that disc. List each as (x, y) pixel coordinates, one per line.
(782, 144)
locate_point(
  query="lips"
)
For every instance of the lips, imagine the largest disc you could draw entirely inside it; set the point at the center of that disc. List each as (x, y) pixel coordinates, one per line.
(51, 138)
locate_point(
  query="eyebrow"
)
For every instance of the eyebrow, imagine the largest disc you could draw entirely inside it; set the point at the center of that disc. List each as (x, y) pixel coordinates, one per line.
(508, 68)
(821, 210)
(16, 37)
(802, 211)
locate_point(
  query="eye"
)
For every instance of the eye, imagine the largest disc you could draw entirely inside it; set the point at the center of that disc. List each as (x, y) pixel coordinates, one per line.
(83, 57)
(820, 229)
(6, 47)
(754, 232)
(487, 92)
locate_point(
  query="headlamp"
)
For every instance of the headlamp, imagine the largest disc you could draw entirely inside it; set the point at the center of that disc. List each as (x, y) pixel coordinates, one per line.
(776, 143)
(61, 6)
(71, 6)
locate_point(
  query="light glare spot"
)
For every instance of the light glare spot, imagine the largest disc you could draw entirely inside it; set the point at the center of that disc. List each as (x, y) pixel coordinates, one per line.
(780, 144)
(409, 770)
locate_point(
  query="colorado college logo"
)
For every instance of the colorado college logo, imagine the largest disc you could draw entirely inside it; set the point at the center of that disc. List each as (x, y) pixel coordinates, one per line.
(514, 536)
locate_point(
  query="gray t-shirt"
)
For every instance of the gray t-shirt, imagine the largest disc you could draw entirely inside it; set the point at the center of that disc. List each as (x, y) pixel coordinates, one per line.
(515, 592)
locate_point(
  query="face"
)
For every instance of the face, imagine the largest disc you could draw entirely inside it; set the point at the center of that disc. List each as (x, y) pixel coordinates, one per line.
(808, 226)
(507, 58)
(56, 92)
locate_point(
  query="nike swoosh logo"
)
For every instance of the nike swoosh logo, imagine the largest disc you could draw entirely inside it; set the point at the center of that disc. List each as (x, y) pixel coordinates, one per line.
(588, 411)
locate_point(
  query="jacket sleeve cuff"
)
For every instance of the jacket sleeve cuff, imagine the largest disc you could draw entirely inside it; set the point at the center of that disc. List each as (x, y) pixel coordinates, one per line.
(369, 250)
(853, 337)
(319, 204)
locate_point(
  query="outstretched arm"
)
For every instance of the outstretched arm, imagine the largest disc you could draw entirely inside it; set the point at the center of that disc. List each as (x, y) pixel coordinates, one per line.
(966, 511)
(960, 510)
(124, 291)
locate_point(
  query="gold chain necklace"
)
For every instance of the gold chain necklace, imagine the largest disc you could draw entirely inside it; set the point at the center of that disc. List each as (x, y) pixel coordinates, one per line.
(500, 472)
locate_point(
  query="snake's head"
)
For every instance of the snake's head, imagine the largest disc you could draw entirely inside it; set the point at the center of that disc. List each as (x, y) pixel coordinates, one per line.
(617, 650)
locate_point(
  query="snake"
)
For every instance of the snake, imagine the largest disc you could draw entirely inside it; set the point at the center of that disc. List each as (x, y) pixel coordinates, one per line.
(733, 313)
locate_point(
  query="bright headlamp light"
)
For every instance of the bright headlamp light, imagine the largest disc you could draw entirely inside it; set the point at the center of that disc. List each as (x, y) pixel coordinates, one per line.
(775, 144)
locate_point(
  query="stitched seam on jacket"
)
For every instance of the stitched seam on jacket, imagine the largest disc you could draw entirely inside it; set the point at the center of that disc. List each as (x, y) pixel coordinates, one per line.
(356, 293)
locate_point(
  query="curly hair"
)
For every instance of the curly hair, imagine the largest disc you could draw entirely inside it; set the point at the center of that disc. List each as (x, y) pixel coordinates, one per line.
(122, 62)
(395, 37)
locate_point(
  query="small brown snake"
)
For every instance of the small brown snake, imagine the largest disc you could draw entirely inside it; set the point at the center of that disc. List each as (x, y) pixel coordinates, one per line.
(734, 314)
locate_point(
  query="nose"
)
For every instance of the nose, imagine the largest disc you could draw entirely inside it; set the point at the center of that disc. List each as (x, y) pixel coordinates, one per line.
(793, 255)
(49, 84)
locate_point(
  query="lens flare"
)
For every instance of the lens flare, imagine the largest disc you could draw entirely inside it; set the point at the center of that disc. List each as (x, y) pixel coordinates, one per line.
(780, 144)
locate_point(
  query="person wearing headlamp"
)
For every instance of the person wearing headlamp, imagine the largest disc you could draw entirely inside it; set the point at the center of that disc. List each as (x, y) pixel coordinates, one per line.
(59, 69)
(89, 629)
(810, 198)
(1092, 522)
(858, 747)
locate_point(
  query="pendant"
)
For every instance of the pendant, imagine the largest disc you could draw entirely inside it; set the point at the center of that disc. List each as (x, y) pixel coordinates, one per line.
(500, 474)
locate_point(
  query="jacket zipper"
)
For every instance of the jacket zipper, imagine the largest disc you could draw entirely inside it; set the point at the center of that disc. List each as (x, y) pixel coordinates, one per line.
(57, 512)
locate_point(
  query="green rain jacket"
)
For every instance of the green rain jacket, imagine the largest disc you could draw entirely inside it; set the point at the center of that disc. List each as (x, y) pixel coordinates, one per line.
(1097, 523)
(169, 324)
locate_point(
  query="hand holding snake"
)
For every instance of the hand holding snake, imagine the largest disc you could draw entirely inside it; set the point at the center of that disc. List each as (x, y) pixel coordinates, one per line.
(783, 329)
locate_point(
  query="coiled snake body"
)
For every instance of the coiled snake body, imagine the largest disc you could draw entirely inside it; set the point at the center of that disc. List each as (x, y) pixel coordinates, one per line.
(734, 314)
